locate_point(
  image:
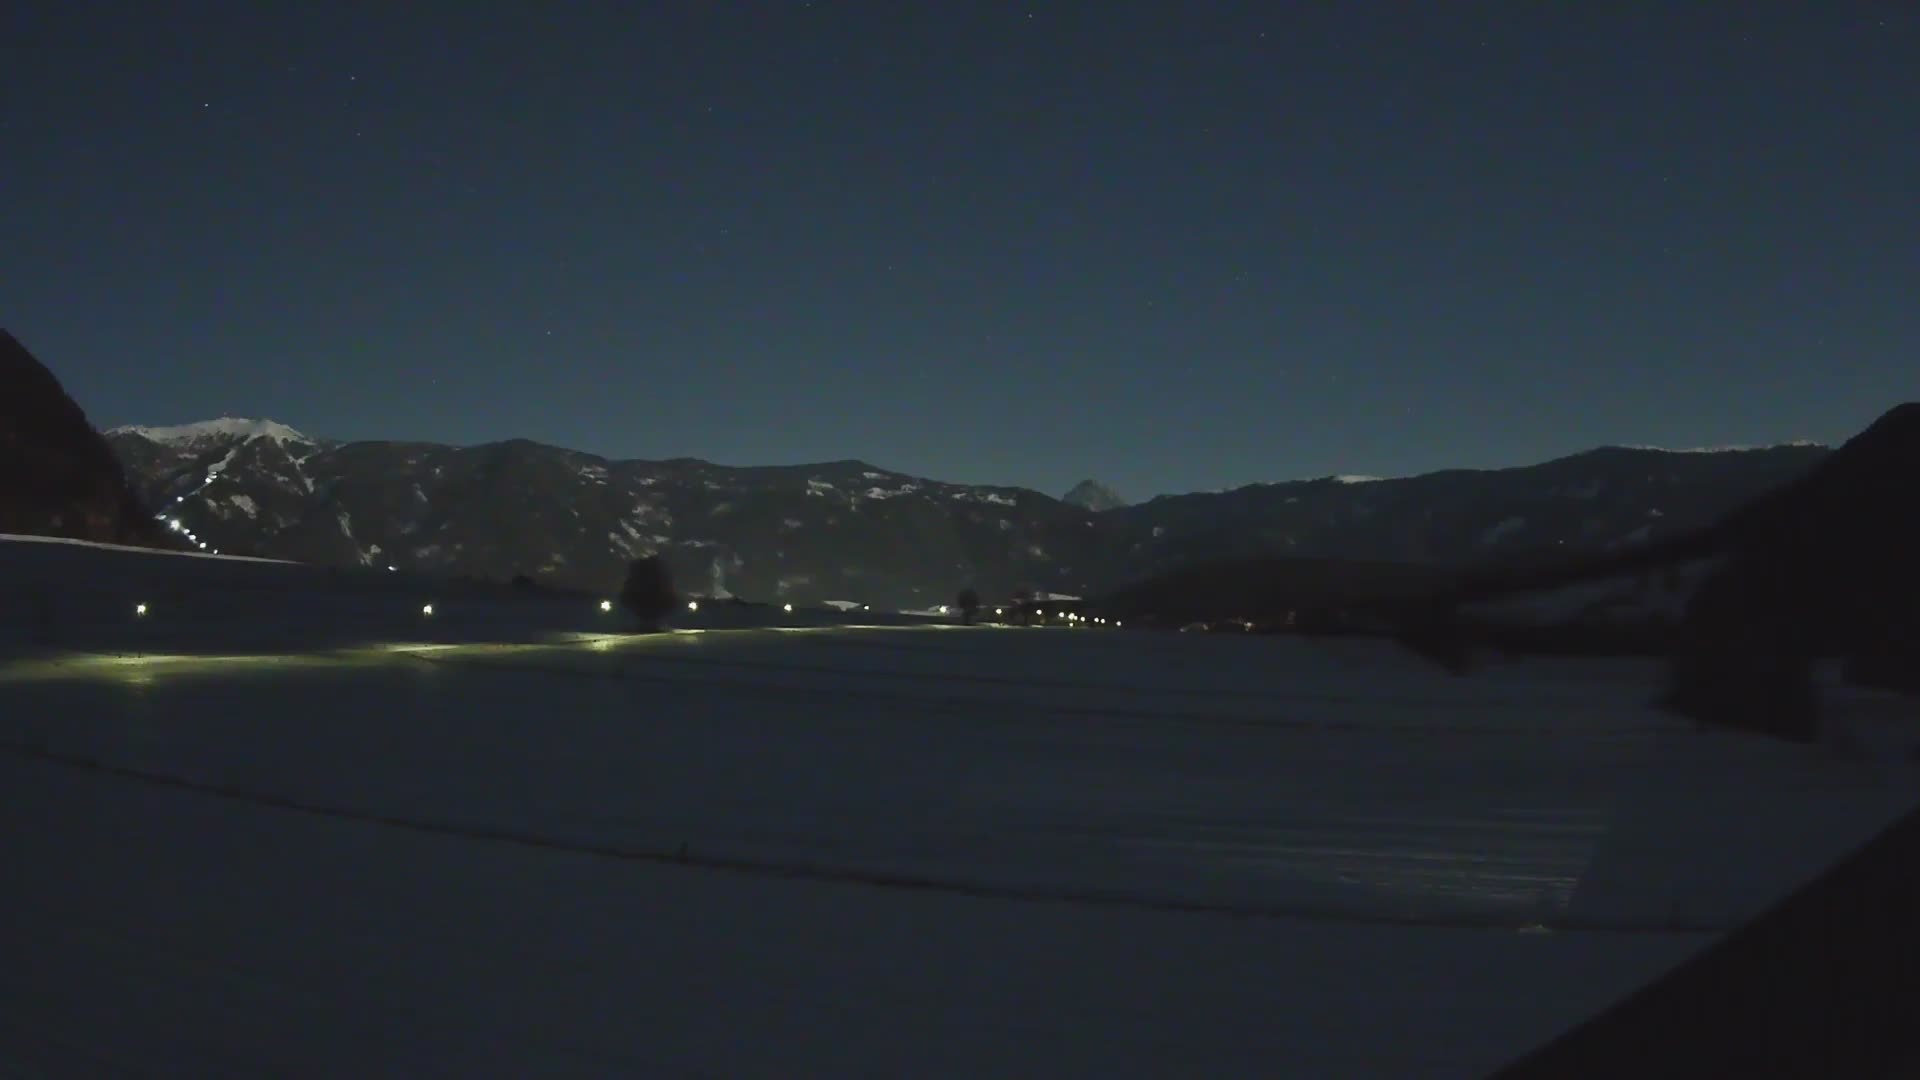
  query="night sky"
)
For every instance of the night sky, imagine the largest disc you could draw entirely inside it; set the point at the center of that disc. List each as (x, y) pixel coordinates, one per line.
(1172, 246)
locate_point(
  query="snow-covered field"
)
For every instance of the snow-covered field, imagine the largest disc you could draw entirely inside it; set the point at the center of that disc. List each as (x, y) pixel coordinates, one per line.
(284, 824)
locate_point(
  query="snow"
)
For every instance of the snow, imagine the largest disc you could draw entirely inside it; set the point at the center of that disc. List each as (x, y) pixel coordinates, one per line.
(1728, 449)
(346, 530)
(245, 504)
(226, 427)
(1495, 533)
(506, 841)
(890, 493)
(21, 558)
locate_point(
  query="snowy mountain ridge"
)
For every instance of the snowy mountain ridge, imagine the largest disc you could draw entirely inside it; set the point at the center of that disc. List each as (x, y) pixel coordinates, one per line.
(226, 427)
(1729, 449)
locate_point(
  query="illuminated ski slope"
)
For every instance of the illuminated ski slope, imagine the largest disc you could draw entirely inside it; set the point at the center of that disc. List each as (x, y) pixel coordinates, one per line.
(533, 848)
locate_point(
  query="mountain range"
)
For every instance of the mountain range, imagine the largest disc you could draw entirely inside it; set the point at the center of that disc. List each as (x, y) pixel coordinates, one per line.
(849, 530)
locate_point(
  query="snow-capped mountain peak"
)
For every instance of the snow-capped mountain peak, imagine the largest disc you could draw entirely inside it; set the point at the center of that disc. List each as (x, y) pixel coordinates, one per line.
(1094, 496)
(226, 427)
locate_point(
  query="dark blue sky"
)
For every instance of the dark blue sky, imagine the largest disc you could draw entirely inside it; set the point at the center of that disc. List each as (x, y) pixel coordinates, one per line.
(1170, 245)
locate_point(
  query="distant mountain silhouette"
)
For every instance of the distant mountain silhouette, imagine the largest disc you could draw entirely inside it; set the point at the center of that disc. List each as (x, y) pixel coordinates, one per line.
(58, 476)
(847, 530)
(1822, 566)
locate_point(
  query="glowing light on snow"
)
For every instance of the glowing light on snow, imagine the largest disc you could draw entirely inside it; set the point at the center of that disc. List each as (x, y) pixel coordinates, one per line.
(606, 605)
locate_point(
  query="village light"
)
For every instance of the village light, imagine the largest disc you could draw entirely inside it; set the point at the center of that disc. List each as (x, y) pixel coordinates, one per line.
(788, 608)
(943, 609)
(693, 605)
(426, 609)
(174, 524)
(606, 605)
(139, 609)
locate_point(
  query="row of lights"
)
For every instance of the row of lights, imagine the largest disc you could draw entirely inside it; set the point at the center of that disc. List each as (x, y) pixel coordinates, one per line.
(1096, 619)
(174, 523)
(426, 610)
(606, 606)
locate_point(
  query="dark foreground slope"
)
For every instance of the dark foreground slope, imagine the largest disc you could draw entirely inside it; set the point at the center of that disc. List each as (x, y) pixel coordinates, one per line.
(1299, 593)
(58, 476)
(1823, 566)
(1825, 984)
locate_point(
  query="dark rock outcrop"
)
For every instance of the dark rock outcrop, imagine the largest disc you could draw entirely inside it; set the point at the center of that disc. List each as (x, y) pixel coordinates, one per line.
(58, 476)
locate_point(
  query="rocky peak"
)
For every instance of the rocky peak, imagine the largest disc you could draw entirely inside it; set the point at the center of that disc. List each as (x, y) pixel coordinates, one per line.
(1094, 496)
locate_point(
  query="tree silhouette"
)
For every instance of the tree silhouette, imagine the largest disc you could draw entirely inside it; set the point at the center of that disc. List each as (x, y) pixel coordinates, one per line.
(648, 593)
